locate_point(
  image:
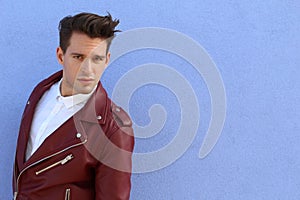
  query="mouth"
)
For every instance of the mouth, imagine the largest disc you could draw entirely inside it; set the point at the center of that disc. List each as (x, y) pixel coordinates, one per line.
(86, 80)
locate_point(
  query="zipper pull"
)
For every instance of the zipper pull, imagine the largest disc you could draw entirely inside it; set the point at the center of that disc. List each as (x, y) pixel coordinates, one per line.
(64, 161)
(61, 162)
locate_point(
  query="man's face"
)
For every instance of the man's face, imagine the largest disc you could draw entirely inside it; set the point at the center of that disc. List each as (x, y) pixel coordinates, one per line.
(83, 63)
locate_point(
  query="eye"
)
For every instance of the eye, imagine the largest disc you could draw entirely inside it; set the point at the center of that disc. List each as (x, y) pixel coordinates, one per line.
(78, 57)
(98, 59)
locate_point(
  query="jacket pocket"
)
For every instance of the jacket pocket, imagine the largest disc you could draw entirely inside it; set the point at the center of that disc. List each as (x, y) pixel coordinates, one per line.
(68, 194)
(61, 162)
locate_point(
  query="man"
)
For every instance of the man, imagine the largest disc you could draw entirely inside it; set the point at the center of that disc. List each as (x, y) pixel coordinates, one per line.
(74, 142)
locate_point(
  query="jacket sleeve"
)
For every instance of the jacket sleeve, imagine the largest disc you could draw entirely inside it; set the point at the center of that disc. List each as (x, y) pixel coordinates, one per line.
(113, 174)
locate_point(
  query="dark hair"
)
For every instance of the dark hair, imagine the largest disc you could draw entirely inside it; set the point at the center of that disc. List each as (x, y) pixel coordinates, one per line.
(93, 25)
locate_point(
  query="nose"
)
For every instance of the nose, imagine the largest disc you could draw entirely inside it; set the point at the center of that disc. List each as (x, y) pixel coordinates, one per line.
(86, 65)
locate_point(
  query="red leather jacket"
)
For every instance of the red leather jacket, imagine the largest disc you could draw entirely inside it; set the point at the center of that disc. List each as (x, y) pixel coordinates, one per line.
(88, 157)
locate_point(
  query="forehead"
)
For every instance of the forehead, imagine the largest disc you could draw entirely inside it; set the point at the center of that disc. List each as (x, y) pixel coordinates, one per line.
(83, 44)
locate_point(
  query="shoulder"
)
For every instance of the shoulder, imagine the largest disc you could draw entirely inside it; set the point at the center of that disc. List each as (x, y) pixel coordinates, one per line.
(123, 136)
(120, 116)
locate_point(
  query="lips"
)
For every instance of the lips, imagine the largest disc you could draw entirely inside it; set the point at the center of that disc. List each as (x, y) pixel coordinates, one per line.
(86, 80)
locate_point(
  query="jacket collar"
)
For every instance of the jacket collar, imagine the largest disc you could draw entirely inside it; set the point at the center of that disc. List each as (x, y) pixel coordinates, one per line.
(96, 108)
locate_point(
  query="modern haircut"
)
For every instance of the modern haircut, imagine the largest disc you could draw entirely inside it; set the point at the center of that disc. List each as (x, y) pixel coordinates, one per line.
(93, 25)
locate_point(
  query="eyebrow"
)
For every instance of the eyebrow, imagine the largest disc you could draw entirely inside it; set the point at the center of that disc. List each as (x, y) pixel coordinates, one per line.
(80, 54)
(100, 56)
(77, 54)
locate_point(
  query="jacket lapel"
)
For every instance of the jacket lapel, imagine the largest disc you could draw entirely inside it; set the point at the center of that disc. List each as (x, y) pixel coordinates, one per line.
(61, 139)
(28, 113)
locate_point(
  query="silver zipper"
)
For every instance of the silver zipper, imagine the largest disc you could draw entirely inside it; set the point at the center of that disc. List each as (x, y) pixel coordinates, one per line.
(15, 195)
(61, 162)
(41, 160)
(67, 194)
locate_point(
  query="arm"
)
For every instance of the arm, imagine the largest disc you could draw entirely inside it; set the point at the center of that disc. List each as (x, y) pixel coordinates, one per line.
(112, 181)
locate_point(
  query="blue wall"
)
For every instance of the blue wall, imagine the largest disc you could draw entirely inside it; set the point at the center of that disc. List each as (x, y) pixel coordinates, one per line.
(254, 44)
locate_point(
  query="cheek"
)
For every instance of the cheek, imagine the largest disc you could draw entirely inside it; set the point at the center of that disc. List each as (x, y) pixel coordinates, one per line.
(99, 70)
(71, 70)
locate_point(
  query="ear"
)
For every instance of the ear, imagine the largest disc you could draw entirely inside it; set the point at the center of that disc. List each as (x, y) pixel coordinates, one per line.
(60, 55)
(107, 59)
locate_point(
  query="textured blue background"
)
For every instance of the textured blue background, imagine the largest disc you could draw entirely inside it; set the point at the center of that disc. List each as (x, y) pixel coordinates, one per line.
(255, 45)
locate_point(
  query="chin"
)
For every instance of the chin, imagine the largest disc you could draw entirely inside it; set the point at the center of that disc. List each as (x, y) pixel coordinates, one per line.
(84, 90)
